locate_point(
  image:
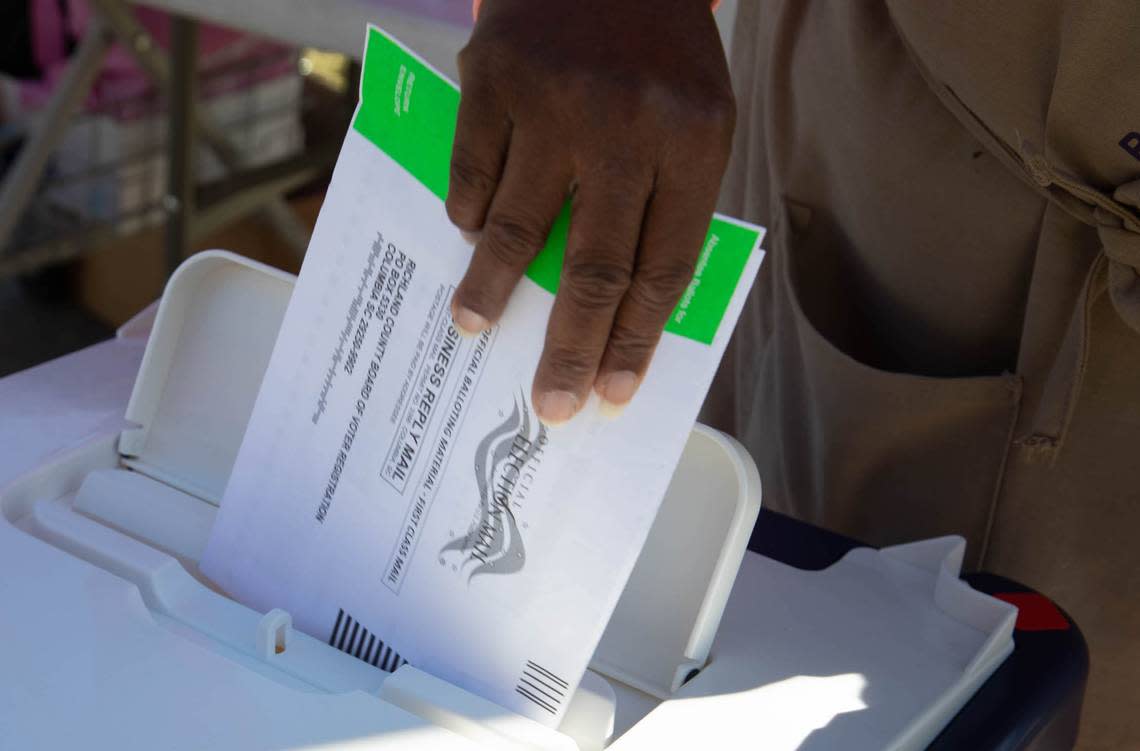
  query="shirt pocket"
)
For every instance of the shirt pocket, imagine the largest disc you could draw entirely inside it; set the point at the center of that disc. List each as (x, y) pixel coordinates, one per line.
(882, 456)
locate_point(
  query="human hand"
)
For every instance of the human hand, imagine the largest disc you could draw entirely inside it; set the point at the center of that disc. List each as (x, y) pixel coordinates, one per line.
(627, 108)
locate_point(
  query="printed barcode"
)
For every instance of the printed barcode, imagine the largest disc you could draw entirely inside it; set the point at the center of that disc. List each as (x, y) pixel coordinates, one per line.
(542, 687)
(352, 638)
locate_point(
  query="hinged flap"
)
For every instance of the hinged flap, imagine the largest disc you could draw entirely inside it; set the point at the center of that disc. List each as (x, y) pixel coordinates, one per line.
(203, 366)
(664, 623)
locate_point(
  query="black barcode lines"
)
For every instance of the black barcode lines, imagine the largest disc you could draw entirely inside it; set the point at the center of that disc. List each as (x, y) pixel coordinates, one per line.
(542, 687)
(350, 637)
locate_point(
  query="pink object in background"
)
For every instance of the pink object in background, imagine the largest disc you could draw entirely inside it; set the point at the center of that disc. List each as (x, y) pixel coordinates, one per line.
(56, 22)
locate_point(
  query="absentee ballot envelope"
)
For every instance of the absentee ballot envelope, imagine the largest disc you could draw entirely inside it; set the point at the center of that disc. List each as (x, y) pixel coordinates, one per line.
(394, 491)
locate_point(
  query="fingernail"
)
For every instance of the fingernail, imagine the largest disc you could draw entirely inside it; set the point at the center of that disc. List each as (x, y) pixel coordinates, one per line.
(471, 237)
(467, 321)
(556, 407)
(616, 391)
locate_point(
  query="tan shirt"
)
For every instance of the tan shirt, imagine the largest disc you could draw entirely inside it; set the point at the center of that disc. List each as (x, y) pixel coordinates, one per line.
(945, 337)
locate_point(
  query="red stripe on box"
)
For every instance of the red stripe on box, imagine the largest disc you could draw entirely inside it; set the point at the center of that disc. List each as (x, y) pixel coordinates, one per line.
(1035, 612)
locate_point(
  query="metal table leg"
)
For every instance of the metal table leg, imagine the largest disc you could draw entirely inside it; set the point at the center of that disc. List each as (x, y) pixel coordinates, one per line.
(114, 21)
(119, 17)
(20, 184)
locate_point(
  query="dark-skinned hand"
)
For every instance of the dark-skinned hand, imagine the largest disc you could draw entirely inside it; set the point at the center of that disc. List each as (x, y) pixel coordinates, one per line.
(626, 108)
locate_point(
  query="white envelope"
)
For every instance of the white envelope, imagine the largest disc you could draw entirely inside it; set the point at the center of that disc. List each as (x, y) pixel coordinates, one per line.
(394, 491)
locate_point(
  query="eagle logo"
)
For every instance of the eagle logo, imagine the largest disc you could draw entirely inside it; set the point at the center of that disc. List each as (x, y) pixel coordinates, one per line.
(493, 543)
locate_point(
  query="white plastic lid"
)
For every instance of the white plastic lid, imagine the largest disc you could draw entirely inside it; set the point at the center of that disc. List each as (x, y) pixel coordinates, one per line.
(663, 626)
(208, 350)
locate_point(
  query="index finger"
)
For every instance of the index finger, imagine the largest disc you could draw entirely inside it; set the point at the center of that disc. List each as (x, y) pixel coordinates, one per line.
(482, 136)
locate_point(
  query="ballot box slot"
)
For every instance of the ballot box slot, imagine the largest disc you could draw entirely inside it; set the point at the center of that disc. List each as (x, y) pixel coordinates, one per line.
(204, 363)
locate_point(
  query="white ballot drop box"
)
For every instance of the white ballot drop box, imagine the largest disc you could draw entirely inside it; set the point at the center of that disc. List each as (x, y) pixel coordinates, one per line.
(110, 637)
